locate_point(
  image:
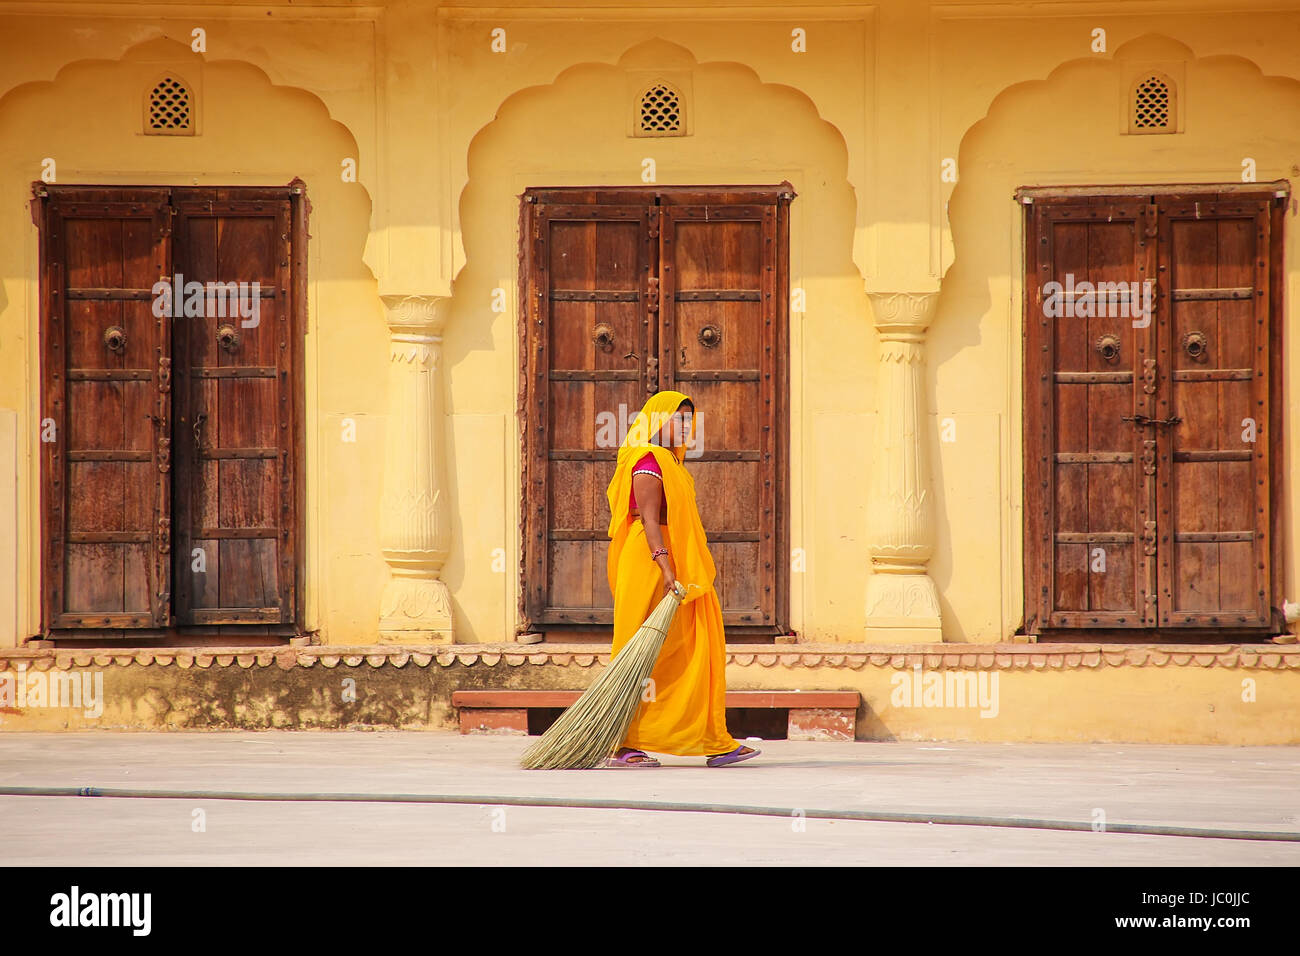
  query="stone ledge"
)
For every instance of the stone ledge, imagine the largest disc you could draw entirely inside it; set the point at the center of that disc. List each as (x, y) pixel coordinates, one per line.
(340, 688)
(823, 656)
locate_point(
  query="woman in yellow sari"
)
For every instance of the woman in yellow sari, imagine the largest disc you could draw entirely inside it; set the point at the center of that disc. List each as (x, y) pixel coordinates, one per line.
(657, 537)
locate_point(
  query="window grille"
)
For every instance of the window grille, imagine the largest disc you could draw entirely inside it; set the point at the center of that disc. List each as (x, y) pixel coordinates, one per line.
(661, 112)
(170, 108)
(1153, 105)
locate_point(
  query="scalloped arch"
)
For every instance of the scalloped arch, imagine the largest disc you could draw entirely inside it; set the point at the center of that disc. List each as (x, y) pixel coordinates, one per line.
(1154, 45)
(654, 53)
(161, 44)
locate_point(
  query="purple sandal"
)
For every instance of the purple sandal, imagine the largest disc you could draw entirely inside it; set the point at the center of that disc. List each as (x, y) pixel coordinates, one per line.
(735, 756)
(627, 761)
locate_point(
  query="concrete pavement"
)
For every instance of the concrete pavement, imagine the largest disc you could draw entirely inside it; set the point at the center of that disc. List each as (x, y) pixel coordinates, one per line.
(1220, 787)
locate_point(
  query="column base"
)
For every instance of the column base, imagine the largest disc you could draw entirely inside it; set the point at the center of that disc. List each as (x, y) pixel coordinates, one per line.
(415, 611)
(902, 609)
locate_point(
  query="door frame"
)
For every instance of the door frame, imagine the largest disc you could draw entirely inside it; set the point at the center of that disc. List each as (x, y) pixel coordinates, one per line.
(299, 210)
(532, 359)
(1279, 192)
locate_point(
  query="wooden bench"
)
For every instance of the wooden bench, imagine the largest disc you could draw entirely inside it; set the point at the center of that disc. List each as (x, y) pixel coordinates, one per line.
(813, 715)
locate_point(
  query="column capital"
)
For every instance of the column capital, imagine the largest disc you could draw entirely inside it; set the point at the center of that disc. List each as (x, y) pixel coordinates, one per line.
(903, 316)
(421, 316)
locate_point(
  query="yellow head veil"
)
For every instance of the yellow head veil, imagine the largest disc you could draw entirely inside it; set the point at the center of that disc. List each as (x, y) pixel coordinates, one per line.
(687, 544)
(645, 430)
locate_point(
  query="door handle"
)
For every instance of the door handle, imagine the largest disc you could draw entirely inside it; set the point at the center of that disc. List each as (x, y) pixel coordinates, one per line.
(1143, 420)
(198, 427)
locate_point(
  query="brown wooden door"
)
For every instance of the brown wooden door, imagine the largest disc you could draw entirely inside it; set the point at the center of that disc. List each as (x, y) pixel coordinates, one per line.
(625, 292)
(156, 369)
(104, 429)
(235, 513)
(1146, 512)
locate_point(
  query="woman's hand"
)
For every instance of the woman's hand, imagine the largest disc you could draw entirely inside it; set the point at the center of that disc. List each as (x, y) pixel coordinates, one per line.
(670, 573)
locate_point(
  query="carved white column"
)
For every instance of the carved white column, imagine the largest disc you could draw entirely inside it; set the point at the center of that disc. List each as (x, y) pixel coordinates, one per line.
(902, 601)
(415, 530)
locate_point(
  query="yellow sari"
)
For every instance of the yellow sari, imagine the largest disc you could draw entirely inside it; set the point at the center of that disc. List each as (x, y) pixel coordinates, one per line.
(687, 715)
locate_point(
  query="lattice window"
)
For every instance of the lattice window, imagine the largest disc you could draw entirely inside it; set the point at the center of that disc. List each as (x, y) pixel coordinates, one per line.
(661, 112)
(169, 108)
(1153, 105)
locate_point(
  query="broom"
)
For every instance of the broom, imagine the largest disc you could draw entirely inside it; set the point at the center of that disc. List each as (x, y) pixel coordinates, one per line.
(588, 732)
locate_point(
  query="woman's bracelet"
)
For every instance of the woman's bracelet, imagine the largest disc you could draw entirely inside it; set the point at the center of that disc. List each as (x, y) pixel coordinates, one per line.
(657, 551)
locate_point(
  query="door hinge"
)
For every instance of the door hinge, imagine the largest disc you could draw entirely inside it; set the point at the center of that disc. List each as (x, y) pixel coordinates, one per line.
(1150, 220)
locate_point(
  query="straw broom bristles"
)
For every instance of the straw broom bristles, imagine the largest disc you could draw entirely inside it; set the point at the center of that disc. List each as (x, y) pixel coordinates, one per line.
(588, 732)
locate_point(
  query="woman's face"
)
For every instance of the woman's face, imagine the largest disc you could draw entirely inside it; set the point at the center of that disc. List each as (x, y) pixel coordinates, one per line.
(677, 428)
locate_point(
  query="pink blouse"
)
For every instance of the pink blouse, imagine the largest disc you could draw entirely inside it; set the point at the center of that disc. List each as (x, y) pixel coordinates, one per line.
(646, 466)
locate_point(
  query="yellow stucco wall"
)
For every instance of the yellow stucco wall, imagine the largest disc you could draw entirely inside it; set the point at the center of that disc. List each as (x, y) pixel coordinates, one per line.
(447, 132)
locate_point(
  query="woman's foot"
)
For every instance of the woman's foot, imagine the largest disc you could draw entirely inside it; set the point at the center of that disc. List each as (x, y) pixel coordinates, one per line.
(735, 756)
(627, 757)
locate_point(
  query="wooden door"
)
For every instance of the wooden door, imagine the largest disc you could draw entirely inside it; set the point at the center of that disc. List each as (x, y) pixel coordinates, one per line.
(104, 409)
(602, 330)
(156, 371)
(1150, 349)
(235, 411)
